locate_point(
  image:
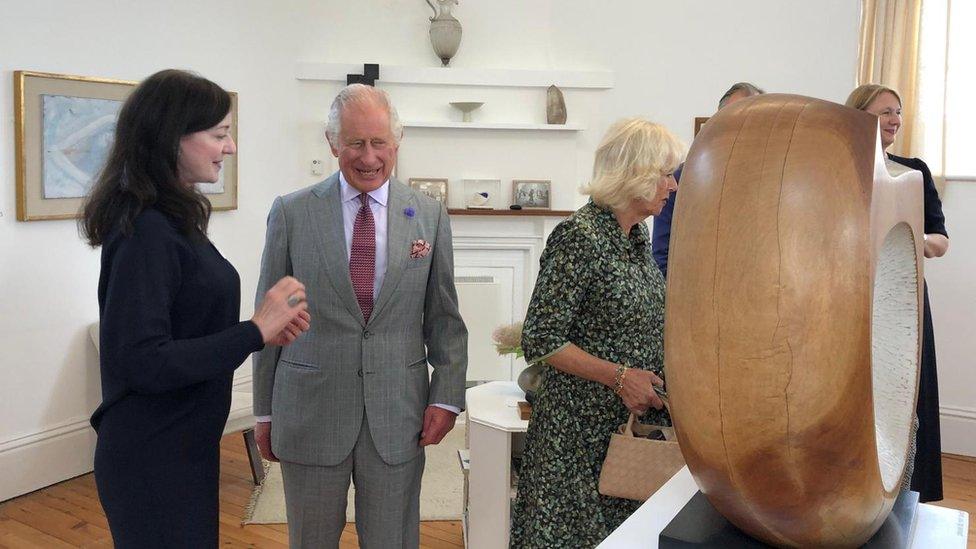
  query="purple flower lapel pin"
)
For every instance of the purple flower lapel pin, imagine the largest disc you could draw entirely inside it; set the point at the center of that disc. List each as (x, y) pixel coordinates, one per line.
(409, 212)
(419, 248)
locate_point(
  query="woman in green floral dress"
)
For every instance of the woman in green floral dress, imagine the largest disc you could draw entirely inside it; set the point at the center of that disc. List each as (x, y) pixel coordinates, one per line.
(597, 318)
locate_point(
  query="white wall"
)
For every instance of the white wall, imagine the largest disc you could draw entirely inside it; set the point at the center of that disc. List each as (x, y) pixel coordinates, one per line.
(952, 295)
(48, 276)
(671, 61)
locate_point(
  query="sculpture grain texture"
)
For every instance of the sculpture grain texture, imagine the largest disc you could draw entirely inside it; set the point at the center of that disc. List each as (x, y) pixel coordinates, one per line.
(773, 358)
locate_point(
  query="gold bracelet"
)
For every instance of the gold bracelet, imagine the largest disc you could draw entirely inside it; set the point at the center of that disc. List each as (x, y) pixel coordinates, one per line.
(618, 380)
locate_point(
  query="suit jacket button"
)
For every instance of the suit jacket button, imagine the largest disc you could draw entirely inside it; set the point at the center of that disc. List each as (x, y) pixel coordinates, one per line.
(359, 372)
(366, 334)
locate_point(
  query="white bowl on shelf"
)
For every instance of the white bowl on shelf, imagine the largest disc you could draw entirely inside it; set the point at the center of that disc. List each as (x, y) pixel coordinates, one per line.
(466, 108)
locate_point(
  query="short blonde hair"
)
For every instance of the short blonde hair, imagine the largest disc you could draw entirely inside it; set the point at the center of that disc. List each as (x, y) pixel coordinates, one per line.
(865, 94)
(633, 156)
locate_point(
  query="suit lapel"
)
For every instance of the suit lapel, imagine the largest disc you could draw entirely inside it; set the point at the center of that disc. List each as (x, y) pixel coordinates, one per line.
(325, 215)
(399, 228)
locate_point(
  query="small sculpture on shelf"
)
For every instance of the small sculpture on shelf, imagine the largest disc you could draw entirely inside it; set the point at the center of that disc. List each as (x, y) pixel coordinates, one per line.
(481, 194)
(555, 106)
(479, 201)
(466, 108)
(445, 30)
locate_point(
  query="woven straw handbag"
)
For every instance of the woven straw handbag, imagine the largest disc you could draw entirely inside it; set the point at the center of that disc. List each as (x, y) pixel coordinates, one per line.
(636, 466)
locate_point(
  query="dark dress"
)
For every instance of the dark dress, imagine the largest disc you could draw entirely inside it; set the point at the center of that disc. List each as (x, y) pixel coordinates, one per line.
(599, 290)
(170, 341)
(927, 476)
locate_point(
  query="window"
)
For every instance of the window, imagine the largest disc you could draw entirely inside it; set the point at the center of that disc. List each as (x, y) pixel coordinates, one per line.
(947, 80)
(960, 115)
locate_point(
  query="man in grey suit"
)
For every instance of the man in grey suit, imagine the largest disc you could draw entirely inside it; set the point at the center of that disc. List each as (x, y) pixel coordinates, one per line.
(352, 398)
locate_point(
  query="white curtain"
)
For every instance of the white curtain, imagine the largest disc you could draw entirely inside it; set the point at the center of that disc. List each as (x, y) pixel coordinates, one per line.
(888, 55)
(929, 134)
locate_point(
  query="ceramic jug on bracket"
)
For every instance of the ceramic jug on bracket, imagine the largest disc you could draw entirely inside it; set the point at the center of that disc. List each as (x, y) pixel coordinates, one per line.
(445, 30)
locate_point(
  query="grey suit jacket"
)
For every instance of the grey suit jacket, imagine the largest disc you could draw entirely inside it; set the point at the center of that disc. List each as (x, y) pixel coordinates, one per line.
(317, 388)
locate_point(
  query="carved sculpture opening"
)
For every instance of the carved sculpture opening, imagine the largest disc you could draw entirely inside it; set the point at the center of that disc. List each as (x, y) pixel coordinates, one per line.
(894, 333)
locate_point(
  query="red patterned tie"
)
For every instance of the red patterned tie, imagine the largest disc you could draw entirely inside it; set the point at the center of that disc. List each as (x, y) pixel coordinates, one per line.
(362, 256)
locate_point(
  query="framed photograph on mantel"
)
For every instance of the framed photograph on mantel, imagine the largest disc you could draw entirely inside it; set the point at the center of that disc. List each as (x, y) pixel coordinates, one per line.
(532, 193)
(432, 187)
(64, 130)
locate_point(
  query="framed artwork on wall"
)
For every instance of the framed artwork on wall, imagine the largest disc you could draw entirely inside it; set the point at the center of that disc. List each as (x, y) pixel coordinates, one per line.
(699, 122)
(532, 193)
(223, 193)
(64, 129)
(433, 187)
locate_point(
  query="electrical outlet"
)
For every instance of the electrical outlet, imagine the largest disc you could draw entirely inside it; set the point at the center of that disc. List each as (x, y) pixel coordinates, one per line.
(318, 167)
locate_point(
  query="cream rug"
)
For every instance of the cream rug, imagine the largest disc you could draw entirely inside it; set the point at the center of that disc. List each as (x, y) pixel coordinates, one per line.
(440, 491)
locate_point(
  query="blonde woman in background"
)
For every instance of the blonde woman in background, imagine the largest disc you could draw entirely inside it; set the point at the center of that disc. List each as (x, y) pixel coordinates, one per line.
(885, 103)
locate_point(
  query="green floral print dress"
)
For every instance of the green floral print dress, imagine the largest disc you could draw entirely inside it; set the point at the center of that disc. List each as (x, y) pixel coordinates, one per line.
(601, 291)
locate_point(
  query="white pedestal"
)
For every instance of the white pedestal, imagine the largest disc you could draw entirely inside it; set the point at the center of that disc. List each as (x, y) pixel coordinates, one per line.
(934, 527)
(493, 418)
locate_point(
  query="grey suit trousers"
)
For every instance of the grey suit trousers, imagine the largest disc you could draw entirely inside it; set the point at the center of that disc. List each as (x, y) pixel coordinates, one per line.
(387, 499)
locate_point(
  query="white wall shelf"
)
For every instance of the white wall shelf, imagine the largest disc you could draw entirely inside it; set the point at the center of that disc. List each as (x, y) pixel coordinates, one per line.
(451, 76)
(494, 126)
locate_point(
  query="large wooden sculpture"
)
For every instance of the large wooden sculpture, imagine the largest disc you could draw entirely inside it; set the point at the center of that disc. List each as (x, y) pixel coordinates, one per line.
(792, 325)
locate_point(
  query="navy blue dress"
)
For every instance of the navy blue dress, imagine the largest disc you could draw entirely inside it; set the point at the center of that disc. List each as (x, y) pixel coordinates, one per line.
(661, 235)
(927, 476)
(171, 338)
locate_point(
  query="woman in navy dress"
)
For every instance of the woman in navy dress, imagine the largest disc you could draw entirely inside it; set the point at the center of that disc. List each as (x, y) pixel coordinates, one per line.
(927, 474)
(169, 304)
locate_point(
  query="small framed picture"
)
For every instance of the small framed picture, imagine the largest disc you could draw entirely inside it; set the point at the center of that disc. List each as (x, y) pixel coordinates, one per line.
(532, 193)
(432, 187)
(64, 129)
(699, 122)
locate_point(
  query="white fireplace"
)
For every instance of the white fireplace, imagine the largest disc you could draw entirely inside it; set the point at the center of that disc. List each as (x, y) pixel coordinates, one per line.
(496, 259)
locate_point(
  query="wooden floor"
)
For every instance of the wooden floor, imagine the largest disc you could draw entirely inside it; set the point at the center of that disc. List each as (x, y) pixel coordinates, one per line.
(69, 515)
(959, 488)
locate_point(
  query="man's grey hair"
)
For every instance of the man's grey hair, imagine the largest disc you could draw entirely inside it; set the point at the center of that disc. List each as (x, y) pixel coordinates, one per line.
(747, 87)
(361, 94)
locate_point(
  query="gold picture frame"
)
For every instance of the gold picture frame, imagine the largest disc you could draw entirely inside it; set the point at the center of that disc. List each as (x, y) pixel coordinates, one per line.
(63, 126)
(433, 187)
(699, 122)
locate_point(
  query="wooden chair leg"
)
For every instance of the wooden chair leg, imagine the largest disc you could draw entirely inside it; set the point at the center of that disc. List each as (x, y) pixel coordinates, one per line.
(254, 456)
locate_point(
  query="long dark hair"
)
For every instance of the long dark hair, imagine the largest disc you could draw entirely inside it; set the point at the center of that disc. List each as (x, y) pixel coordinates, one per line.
(141, 170)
